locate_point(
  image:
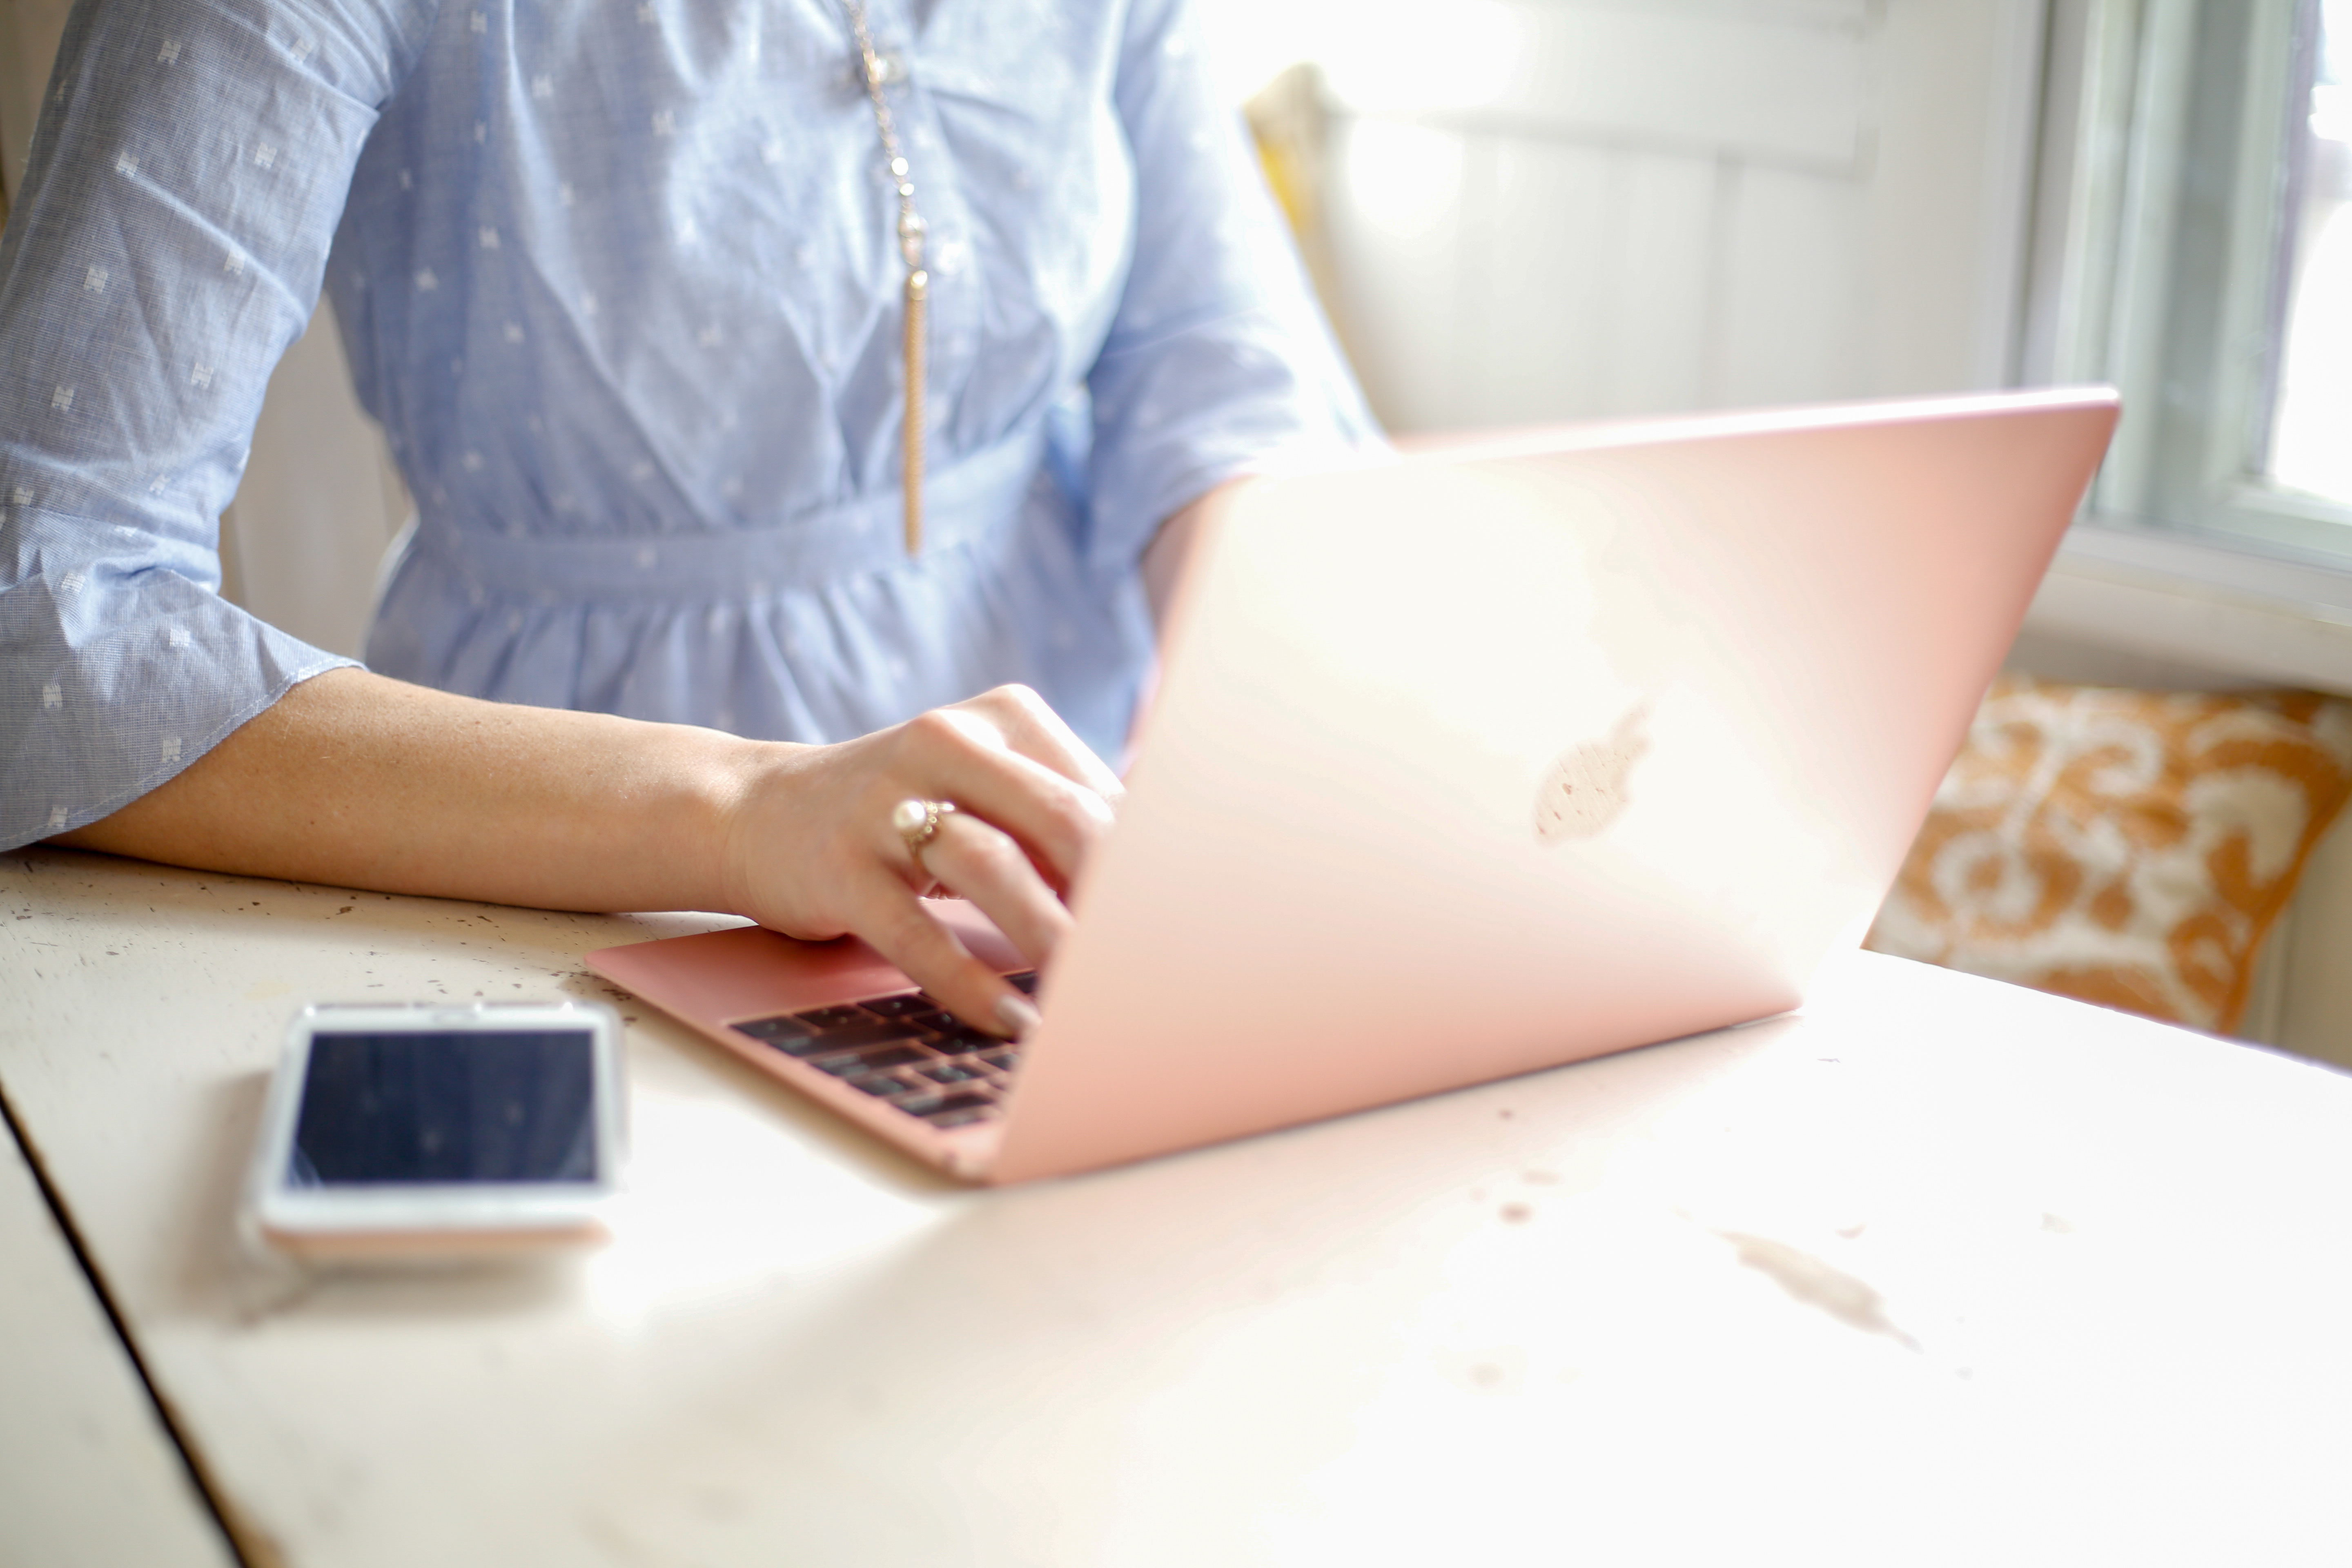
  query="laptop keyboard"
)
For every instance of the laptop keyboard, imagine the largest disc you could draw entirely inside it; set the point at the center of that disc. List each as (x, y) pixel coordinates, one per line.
(905, 1050)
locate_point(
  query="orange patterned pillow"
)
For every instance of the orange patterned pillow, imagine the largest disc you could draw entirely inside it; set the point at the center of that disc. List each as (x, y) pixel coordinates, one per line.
(2129, 848)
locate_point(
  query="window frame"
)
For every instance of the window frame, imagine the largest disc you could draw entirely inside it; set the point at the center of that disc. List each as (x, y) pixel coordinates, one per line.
(2184, 218)
(2171, 288)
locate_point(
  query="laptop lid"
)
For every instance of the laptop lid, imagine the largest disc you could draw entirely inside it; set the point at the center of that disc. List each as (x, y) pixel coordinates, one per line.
(1484, 762)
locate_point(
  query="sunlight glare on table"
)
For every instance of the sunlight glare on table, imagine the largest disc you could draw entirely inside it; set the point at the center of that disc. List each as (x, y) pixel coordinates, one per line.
(716, 1204)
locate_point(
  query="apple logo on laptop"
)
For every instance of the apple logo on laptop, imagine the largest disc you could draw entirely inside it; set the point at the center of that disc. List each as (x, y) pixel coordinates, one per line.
(1584, 789)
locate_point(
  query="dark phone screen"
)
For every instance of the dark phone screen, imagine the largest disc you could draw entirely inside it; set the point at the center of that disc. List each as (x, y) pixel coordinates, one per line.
(389, 1109)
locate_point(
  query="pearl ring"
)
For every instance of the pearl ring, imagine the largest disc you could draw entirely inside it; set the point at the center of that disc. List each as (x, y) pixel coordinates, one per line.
(917, 822)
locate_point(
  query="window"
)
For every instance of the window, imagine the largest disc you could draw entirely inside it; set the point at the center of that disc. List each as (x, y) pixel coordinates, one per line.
(2208, 272)
(2311, 414)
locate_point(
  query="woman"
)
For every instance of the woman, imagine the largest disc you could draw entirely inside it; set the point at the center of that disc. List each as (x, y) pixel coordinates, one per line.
(625, 284)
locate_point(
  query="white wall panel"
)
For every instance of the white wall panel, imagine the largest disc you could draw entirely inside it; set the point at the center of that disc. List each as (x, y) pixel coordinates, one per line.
(1592, 296)
(1661, 299)
(1533, 343)
(1675, 206)
(1795, 293)
(1949, 196)
(1778, 82)
(317, 503)
(1397, 216)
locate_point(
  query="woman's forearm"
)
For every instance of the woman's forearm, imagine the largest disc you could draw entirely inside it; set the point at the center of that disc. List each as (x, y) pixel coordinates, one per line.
(1171, 547)
(364, 782)
(358, 779)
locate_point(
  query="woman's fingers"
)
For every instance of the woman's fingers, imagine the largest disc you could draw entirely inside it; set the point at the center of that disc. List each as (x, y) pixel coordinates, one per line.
(1007, 760)
(901, 930)
(1035, 731)
(968, 857)
(814, 849)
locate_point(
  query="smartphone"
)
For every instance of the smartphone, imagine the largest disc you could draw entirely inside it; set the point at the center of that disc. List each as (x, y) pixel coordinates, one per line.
(423, 1131)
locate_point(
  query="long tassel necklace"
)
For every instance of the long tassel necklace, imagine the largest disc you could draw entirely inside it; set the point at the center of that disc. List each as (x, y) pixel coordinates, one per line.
(876, 67)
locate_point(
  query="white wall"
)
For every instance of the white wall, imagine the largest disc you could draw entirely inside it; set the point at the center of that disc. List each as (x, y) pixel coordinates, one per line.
(1555, 209)
(320, 500)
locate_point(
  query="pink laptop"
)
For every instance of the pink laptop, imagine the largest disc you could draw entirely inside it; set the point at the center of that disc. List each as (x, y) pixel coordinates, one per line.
(1469, 765)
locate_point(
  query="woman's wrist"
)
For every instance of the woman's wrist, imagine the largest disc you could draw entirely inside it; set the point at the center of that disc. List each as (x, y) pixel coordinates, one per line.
(751, 796)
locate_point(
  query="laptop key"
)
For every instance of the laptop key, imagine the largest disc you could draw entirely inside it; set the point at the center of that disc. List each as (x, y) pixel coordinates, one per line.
(772, 1030)
(961, 1039)
(804, 1045)
(899, 1006)
(852, 1062)
(1005, 1060)
(949, 1072)
(962, 1107)
(834, 1017)
(880, 1084)
(866, 1032)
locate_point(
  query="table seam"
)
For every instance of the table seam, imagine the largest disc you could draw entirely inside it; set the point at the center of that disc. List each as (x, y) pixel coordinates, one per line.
(250, 1550)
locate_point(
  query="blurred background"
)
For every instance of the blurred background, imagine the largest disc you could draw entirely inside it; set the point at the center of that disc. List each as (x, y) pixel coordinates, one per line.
(1535, 211)
(1520, 210)
(1526, 211)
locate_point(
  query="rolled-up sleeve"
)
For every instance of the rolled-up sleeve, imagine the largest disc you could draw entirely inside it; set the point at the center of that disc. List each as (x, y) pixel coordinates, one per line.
(190, 165)
(1219, 361)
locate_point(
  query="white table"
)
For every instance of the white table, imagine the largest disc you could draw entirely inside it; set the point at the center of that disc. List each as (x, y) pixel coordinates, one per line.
(1942, 1271)
(89, 1477)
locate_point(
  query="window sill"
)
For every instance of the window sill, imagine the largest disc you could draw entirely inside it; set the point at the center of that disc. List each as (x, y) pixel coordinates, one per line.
(2185, 602)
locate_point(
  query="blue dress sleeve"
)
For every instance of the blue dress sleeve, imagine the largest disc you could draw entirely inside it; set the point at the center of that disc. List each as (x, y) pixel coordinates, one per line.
(190, 164)
(1218, 361)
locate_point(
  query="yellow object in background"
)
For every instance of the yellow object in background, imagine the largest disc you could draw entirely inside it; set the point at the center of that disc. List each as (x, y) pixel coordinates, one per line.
(1290, 123)
(1283, 174)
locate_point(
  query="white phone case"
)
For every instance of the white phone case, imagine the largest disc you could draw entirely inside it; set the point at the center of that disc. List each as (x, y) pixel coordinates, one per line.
(402, 1221)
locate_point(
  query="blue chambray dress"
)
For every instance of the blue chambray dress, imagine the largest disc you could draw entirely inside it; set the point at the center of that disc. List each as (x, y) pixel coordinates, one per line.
(617, 277)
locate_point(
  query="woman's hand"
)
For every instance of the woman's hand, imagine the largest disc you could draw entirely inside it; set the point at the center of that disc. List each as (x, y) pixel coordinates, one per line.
(811, 849)
(362, 781)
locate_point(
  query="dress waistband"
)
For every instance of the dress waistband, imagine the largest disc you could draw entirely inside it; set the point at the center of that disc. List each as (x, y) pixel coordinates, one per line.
(974, 497)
